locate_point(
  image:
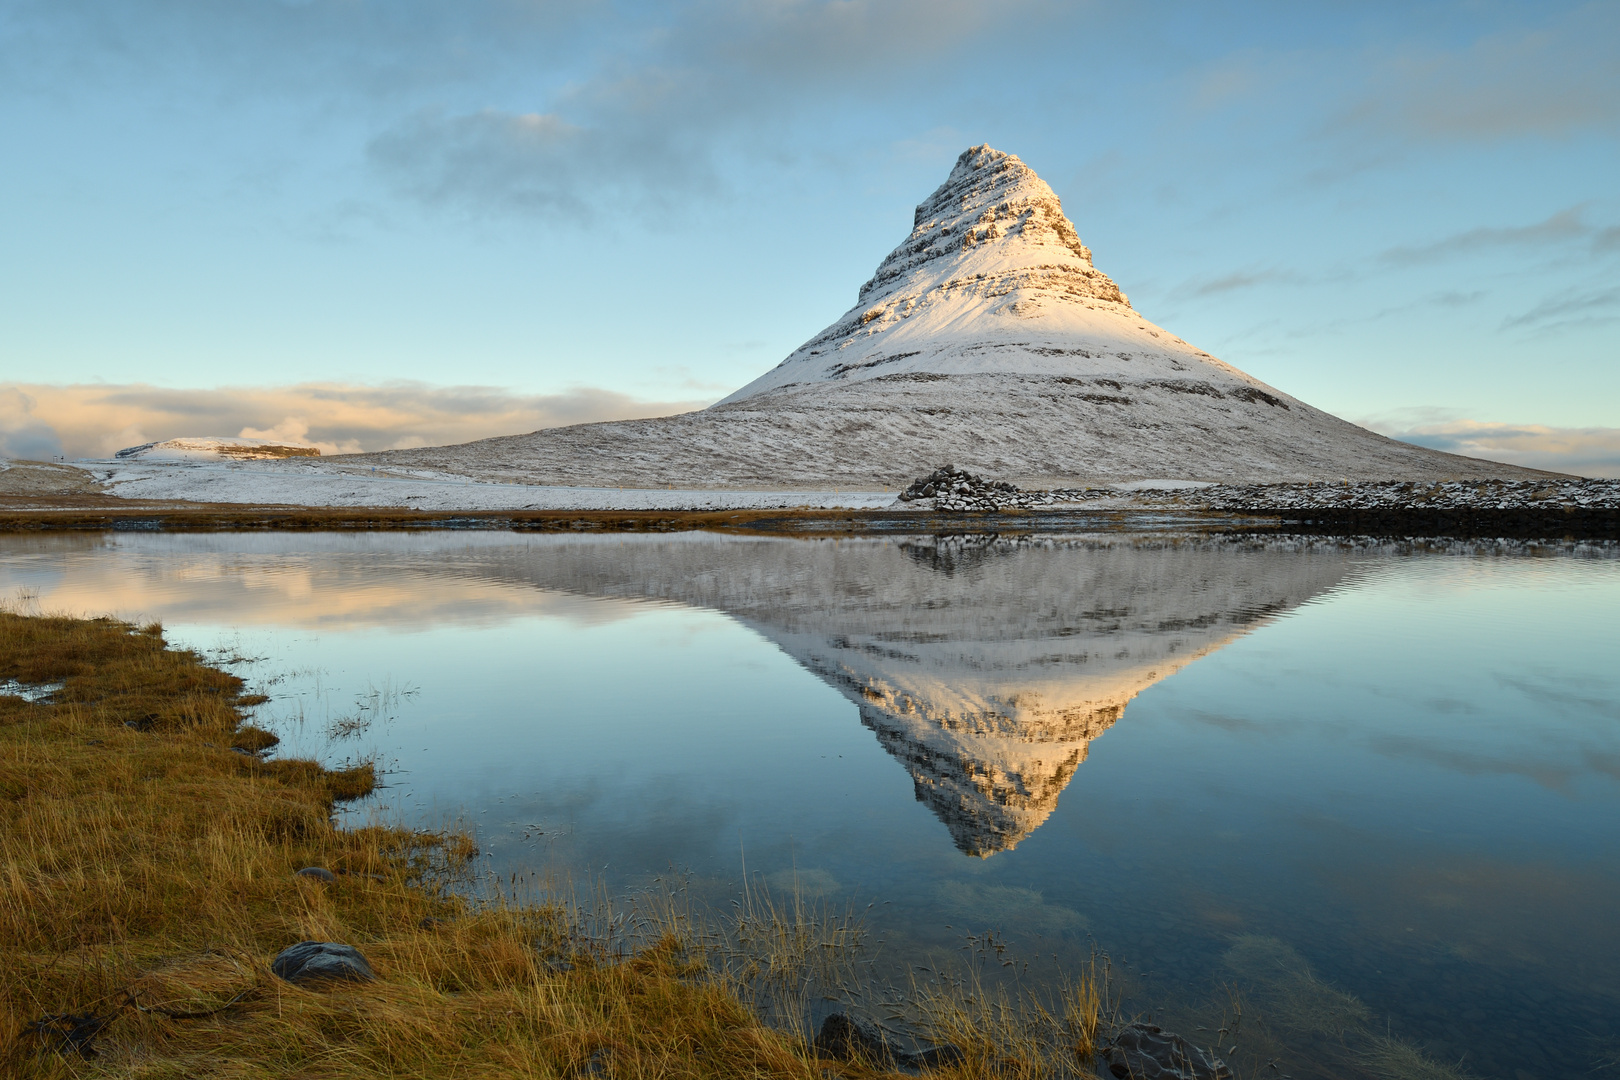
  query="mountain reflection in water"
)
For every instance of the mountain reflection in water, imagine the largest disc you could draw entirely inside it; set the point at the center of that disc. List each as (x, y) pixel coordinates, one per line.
(984, 665)
(1401, 797)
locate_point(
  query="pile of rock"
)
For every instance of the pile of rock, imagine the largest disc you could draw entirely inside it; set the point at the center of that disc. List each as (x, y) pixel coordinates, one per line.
(1448, 495)
(951, 488)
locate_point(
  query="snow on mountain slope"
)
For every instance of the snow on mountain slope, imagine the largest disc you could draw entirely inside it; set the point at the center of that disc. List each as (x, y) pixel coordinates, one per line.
(214, 448)
(993, 280)
(989, 340)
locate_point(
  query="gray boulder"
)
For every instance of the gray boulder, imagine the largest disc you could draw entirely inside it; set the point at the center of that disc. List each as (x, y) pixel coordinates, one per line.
(322, 961)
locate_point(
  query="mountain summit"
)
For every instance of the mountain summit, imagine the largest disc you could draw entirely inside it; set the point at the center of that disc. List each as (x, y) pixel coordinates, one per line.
(992, 279)
(987, 338)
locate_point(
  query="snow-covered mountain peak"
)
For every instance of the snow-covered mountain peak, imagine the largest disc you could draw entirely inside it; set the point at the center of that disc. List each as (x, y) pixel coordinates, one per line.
(992, 212)
(993, 279)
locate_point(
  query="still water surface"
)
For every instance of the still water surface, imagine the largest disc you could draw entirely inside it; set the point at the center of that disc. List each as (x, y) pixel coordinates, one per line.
(1372, 788)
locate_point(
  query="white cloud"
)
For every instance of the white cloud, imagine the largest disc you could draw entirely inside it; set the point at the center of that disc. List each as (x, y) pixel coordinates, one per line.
(1591, 451)
(39, 421)
(23, 434)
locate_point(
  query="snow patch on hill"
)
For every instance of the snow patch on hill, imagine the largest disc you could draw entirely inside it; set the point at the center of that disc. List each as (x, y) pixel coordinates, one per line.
(215, 448)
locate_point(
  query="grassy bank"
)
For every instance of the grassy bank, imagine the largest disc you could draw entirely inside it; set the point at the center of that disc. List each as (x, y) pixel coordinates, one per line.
(147, 880)
(148, 858)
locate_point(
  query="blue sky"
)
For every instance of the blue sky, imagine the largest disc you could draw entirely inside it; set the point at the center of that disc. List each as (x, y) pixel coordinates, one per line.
(309, 217)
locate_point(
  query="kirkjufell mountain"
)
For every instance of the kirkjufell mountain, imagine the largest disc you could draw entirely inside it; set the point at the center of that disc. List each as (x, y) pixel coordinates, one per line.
(985, 667)
(987, 339)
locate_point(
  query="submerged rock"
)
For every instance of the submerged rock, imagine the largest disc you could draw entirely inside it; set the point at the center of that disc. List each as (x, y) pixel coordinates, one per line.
(1146, 1052)
(848, 1039)
(322, 961)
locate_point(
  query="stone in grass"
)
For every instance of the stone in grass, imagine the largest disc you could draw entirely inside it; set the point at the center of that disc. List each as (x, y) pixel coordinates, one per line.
(322, 961)
(848, 1039)
(316, 873)
(1146, 1052)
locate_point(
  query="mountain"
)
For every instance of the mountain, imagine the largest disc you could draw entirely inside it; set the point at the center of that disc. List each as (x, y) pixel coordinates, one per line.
(986, 667)
(987, 339)
(993, 280)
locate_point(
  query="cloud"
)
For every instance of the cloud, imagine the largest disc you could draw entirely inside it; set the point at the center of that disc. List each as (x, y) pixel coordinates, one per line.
(1592, 451)
(652, 119)
(1558, 312)
(38, 421)
(1549, 81)
(1562, 227)
(1238, 279)
(23, 434)
(532, 162)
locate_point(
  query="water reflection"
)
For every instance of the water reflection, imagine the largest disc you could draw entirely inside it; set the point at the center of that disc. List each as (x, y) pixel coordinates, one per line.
(985, 666)
(1402, 794)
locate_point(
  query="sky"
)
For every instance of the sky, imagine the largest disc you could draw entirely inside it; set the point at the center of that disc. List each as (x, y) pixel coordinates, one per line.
(364, 224)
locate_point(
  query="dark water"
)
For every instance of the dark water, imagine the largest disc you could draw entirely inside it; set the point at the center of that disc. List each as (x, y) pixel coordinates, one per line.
(1374, 790)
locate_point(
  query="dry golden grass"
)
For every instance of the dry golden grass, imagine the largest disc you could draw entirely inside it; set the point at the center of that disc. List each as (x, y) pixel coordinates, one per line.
(147, 879)
(1021, 1035)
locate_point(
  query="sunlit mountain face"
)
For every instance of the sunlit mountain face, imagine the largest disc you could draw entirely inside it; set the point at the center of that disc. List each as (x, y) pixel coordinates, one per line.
(984, 665)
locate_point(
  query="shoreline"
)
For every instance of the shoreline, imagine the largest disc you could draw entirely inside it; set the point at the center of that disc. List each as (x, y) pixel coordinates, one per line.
(109, 514)
(168, 879)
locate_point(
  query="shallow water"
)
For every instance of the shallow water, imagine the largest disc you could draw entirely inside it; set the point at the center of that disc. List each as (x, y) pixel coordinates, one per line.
(1374, 789)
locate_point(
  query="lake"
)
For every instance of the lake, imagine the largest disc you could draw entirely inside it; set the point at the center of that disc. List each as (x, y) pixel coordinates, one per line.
(1370, 788)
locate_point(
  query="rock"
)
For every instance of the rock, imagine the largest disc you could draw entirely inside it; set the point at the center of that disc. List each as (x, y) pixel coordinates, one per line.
(848, 1039)
(322, 961)
(1146, 1052)
(67, 1033)
(956, 489)
(316, 873)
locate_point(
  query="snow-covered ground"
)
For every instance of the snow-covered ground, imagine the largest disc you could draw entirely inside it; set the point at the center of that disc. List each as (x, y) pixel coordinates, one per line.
(338, 482)
(214, 447)
(329, 482)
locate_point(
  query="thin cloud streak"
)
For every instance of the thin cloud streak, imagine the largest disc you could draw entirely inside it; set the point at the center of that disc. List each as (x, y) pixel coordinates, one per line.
(1597, 306)
(96, 421)
(1564, 226)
